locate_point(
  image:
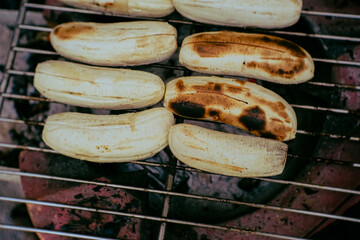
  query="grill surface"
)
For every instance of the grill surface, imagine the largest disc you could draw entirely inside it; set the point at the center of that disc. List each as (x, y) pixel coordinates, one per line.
(331, 134)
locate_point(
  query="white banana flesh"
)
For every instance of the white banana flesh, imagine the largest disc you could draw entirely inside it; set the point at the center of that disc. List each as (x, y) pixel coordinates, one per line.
(144, 8)
(109, 138)
(97, 87)
(242, 13)
(225, 153)
(115, 44)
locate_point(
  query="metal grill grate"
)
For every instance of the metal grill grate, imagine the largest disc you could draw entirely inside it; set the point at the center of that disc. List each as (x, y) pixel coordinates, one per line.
(173, 165)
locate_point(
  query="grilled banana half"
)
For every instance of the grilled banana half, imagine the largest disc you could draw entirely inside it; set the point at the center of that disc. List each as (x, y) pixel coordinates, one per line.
(226, 153)
(239, 103)
(115, 44)
(97, 87)
(242, 13)
(257, 56)
(109, 138)
(144, 8)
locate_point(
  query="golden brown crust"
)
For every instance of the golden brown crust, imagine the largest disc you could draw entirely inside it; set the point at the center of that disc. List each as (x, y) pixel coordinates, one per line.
(71, 31)
(230, 41)
(266, 56)
(236, 103)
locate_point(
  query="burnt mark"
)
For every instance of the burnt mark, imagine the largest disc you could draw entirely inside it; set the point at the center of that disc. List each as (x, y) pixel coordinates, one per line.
(108, 4)
(217, 87)
(215, 114)
(282, 68)
(225, 42)
(253, 119)
(241, 82)
(180, 85)
(230, 167)
(266, 39)
(270, 135)
(292, 48)
(212, 49)
(70, 31)
(188, 109)
(213, 87)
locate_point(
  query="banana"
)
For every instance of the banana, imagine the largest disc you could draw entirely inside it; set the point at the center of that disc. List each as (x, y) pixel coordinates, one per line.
(258, 56)
(239, 103)
(97, 87)
(225, 153)
(115, 44)
(144, 8)
(109, 138)
(242, 13)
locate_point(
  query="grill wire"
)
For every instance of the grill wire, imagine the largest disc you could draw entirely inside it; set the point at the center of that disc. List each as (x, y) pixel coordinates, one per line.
(172, 165)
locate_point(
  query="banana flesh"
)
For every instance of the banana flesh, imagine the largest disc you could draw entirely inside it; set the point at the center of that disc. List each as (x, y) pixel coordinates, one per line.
(144, 8)
(109, 138)
(242, 104)
(225, 153)
(97, 87)
(257, 56)
(115, 44)
(242, 13)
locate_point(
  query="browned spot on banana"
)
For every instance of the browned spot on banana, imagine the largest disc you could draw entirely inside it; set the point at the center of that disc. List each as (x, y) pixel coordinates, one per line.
(283, 68)
(183, 106)
(205, 105)
(212, 50)
(226, 43)
(253, 118)
(180, 85)
(103, 148)
(222, 165)
(71, 31)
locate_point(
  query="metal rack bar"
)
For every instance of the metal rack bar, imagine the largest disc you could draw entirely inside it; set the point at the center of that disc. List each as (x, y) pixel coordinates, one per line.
(11, 55)
(168, 187)
(334, 136)
(334, 85)
(24, 97)
(325, 160)
(255, 205)
(46, 52)
(58, 233)
(316, 35)
(330, 14)
(298, 34)
(288, 182)
(316, 108)
(147, 217)
(69, 9)
(18, 121)
(339, 62)
(303, 132)
(315, 159)
(322, 84)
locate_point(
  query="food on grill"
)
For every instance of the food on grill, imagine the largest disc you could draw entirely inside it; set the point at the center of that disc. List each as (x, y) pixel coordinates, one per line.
(239, 103)
(109, 138)
(144, 8)
(115, 44)
(97, 87)
(258, 56)
(240, 13)
(226, 153)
